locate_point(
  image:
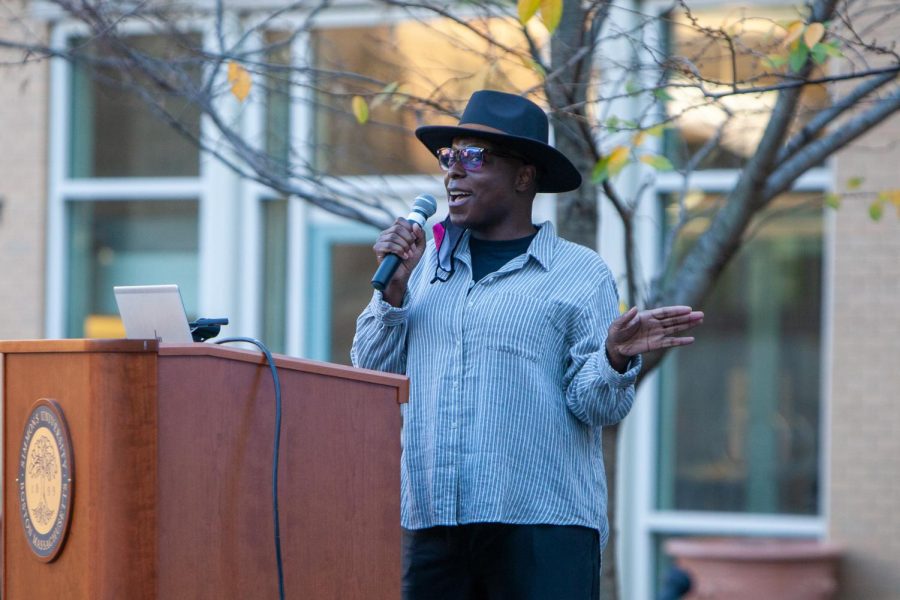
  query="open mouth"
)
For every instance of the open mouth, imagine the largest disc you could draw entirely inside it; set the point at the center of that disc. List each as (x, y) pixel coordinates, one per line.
(457, 197)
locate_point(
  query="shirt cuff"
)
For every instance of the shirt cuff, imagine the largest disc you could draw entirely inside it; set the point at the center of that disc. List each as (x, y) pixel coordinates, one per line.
(616, 379)
(387, 313)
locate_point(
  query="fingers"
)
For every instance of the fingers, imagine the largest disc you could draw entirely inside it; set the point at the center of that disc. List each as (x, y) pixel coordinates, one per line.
(401, 238)
(666, 312)
(671, 342)
(626, 318)
(678, 324)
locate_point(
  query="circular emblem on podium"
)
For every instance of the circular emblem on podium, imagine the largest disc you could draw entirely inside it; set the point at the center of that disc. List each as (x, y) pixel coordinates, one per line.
(45, 479)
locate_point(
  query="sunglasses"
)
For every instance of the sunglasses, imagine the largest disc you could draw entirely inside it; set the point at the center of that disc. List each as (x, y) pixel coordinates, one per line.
(470, 157)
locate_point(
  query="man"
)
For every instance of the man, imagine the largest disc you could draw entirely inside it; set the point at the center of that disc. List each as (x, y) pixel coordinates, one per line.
(517, 358)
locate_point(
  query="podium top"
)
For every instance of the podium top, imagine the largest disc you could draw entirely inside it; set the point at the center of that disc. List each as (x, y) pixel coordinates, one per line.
(77, 345)
(400, 382)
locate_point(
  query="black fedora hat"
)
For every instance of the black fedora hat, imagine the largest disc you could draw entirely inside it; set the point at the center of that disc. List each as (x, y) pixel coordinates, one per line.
(516, 123)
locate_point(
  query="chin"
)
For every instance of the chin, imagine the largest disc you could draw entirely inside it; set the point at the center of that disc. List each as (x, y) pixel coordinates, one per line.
(458, 219)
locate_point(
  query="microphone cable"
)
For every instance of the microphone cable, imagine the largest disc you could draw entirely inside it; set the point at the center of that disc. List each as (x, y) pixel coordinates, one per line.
(269, 359)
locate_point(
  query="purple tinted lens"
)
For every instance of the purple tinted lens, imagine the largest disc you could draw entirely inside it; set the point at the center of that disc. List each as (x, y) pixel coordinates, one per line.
(471, 157)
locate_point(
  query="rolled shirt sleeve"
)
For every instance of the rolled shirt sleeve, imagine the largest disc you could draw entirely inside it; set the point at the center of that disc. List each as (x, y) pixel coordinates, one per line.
(596, 393)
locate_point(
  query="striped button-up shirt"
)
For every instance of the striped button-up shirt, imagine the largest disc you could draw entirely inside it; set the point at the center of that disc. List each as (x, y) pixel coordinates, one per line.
(510, 386)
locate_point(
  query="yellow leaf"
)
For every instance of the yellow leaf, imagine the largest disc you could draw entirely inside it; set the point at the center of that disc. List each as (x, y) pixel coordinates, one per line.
(814, 34)
(551, 13)
(618, 158)
(623, 308)
(360, 109)
(656, 130)
(527, 8)
(794, 31)
(240, 81)
(658, 162)
(638, 138)
(892, 196)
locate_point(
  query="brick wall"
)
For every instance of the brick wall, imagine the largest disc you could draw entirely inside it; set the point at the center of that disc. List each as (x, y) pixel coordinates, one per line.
(864, 453)
(23, 176)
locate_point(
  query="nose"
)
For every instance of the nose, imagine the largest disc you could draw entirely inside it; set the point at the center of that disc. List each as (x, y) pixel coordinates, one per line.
(456, 171)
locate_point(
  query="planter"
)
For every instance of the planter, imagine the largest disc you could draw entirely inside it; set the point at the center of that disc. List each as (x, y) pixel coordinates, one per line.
(755, 568)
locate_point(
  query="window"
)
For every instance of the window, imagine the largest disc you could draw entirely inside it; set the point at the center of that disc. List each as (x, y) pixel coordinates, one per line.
(273, 292)
(126, 191)
(728, 441)
(341, 267)
(739, 412)
(126, 243)
(457, 62)
(114, 134)
(752, 36)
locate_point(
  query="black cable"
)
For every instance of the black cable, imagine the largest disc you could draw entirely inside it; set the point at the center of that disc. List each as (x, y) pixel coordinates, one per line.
(277, 383)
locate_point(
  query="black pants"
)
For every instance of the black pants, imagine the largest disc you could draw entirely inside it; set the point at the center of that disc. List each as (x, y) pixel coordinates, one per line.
(496, 561)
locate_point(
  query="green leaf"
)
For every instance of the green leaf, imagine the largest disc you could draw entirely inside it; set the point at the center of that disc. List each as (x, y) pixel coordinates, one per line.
(658, 162)
(854, 183)
(360, 109)
(385, 93)
(833, 48)
(819, 53)
(798, 57)
(832, 200)
(776, 61)
(657, 130)
(612, 124)
(876, 210)
(632, 87)
(398, 100)
(600, 173)
(662, 95)
(537, 68)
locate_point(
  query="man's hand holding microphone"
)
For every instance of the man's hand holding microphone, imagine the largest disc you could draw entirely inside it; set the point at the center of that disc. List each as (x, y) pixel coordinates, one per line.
(399, 249)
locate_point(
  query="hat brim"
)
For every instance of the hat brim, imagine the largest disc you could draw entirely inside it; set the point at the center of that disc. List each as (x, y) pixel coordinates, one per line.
(557, 173)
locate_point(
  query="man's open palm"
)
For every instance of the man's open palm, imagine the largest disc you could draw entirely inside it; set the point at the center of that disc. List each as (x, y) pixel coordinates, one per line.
(636, 332)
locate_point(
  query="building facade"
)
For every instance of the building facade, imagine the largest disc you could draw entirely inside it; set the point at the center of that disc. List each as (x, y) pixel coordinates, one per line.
(778, 422)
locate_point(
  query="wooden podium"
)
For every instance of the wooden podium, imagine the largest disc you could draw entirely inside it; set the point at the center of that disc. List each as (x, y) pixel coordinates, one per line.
(171, 449)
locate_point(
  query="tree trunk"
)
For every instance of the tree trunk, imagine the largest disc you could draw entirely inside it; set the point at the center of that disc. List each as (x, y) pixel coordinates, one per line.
(577, 214)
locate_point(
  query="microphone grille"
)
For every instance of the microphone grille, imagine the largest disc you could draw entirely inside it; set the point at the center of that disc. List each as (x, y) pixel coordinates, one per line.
(425, 204)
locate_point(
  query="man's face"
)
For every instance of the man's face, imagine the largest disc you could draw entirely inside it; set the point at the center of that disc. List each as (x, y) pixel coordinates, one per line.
(485, 200)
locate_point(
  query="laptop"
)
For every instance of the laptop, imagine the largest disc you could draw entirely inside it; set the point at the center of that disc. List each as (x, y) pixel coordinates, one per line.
(153, 312)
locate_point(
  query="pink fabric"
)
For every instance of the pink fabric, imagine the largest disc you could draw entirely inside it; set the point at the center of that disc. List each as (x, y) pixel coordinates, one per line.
(439, 232)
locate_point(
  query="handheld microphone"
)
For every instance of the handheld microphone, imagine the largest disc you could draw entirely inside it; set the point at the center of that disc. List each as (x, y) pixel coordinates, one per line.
(423, 207)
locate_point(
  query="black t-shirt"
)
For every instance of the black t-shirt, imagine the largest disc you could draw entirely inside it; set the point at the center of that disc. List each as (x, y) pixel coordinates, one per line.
(490, 255)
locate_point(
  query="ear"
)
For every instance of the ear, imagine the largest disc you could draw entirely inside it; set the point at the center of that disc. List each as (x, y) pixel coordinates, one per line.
(525, 178)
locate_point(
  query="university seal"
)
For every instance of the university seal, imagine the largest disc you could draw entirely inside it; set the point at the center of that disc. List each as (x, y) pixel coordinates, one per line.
(45, 479)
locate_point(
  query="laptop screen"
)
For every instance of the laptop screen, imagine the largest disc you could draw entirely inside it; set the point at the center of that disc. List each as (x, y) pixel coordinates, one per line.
(153, 312)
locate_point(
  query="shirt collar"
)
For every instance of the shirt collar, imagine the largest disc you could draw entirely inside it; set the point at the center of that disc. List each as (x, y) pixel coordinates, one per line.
(542, 245)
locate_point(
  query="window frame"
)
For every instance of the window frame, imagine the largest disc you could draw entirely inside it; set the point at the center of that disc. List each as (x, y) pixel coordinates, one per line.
(640, 521)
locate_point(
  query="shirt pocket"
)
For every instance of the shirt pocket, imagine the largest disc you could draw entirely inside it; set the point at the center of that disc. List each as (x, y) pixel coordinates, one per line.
(523, 326)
